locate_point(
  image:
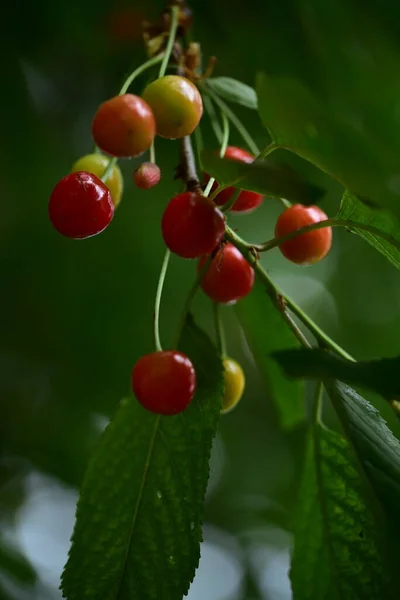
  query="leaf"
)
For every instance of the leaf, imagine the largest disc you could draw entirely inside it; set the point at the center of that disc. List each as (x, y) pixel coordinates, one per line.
(358, 212)
(297, 121)
(379, 375)
(233, 91)
(378, 449)
(138, 524)
(16, 565)
(337, 547)
(267, 332)
(261, 177)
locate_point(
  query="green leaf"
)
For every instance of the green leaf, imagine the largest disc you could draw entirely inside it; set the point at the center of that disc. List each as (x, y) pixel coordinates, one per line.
(138, 523)
(261, 177)
(234, 91)
(337, 547)
(358, 212)
(266, 332)
(378, 375)
(297, 121)
(16, 565)
(377, 448)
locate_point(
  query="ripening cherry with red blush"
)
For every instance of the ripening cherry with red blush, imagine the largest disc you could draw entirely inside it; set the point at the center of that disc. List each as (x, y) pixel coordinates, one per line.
(308, 248)
(247, 201)
(229, 277)
(124, 126)
(80, 205)
(164, 382)
(192, 225)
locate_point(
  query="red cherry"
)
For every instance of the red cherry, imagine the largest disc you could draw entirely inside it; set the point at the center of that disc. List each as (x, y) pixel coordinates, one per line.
(310, 247)
(164, 382)
(246, 201)
(192, 225)
(124, 126)
(147, 175)
(80, 205)
(229, 276)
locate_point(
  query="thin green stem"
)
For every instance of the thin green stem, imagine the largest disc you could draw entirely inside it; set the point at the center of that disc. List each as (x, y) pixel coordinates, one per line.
(224, 145)
(317, 404)
(322, 224)
(160, 286)
(212, 114)
(228, 205)
(171, 40)
(267, 151)
(235, 121)
(150, 63)
(153, 153)
(280, 299)
(219, 329)
(109, 168)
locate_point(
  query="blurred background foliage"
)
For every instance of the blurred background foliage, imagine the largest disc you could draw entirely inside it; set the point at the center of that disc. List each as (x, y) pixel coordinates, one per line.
(75, 315)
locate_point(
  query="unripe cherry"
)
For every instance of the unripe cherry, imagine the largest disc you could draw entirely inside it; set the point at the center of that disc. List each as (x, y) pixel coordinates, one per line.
(147, 175)
(177, 105)
(246, 201)
(229, 276)
(80, 205)
(192, 225)
(124, 126)
(234, 382)
(97, 164)
(308, 248)
(164, 382)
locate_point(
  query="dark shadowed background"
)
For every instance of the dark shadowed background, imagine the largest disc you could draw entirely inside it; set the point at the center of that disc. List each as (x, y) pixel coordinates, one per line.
(76, 315)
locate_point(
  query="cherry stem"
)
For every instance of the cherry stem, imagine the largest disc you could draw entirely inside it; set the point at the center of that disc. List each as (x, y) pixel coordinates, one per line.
(320, 225)
(235, 121)
(171, 40)
(224, 145)
(219, 330)
(317, 404)
(160, 286)
(153, 153)
(212, 114)
(228, 205)
(150, 63)
(282, 301)
(109, 168)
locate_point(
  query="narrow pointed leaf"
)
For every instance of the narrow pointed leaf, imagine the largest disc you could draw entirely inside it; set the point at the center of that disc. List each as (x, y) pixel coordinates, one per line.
(379, 375)
(337, 547)
(262, 177)
(233, 91)
(353, 209)
(138, 524)
(266, 332)
(377, 447)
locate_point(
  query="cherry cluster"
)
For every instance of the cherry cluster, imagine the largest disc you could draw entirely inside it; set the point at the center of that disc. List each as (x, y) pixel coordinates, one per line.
(193, 225)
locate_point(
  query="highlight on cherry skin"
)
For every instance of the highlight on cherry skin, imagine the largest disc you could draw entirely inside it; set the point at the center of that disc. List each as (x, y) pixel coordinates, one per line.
(246, 201)
(234, 383)
(80, 205)
(97, 164)
(229, 277)
(307, 248)
(192, 225)
(164, 382)
(124, 126)
(177, 105)
(147, 175)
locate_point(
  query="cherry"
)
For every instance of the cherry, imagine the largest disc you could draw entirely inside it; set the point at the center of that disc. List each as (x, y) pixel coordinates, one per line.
(97, 164)
(80, 205)
(234, 381)
(124, 126)
(192, 225)
(229, 276)
(310, 247)
(246, 201)
(164, 382)
(147, 175)
(177, 105)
